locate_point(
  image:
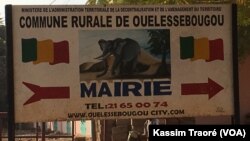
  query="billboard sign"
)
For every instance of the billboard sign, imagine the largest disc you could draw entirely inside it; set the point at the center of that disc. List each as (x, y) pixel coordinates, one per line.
(111, 62)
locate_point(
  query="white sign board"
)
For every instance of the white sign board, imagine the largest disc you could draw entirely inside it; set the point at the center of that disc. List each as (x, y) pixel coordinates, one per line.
(111, 62)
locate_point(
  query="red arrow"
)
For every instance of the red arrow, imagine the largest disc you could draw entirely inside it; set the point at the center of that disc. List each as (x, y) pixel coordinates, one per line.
(46, 93)
(211, 88)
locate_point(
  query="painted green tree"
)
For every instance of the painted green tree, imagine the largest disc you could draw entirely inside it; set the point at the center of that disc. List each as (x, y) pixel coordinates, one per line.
(159, 44)
(2, 40)
(3, 86)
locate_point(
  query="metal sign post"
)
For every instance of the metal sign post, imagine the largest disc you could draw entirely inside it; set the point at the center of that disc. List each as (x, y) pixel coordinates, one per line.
(10, 74)
(236, 116)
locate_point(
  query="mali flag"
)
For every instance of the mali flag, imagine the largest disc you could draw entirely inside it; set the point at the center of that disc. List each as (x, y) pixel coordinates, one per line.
(45, 51)
(201, 48)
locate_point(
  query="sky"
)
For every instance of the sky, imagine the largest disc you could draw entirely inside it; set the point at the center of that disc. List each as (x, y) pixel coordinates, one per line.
(37, 2)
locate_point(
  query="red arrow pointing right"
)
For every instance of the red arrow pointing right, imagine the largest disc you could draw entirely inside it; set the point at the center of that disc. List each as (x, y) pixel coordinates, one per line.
(211, 88)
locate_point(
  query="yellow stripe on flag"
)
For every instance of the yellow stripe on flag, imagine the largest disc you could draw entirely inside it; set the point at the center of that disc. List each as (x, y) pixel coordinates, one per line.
(201, 49)
(45, 51)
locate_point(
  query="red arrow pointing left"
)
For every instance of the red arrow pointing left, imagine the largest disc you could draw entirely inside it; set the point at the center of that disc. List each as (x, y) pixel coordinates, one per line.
(46, 93)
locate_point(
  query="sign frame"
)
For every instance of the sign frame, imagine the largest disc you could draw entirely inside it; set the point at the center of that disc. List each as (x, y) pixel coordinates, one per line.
(10, 72)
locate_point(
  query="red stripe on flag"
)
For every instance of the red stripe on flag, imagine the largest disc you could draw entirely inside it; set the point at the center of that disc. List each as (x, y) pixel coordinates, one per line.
(216, 50)
(61, 52)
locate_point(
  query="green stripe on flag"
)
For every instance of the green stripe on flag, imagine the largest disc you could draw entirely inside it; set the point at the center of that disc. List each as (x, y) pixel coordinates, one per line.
(187, 47)
(29, 50)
